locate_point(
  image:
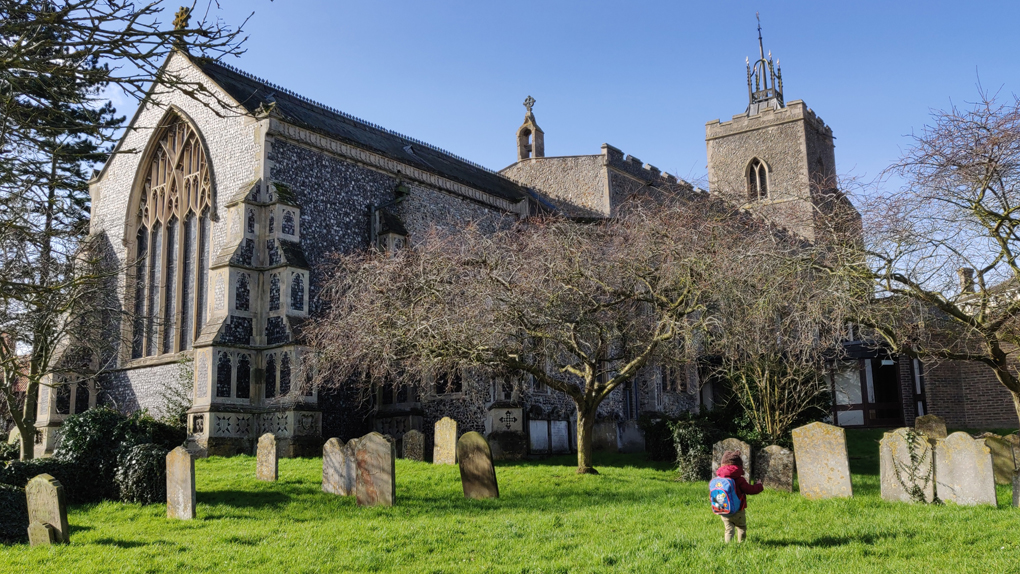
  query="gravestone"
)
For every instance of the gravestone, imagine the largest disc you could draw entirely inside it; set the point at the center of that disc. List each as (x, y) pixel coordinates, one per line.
(1004, 459)
(414, 445)
(1016, 490)
(931, 426)
(445, 449)
(180, 484)
(604, 437)
(267, 463)
(47, 511)
(339, 468)
(376, 469)
(773, 467)
(477, 475)
(559, 431)
(720, 448)
(899, 475)
(632, 438)
(963, 470)
(823, 468)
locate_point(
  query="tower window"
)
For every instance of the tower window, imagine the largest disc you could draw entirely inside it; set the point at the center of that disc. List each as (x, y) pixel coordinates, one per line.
(757, 180)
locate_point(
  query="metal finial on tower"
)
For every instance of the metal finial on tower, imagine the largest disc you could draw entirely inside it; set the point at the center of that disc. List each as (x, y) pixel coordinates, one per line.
(529, 103)
(764, 81)
(761, 49)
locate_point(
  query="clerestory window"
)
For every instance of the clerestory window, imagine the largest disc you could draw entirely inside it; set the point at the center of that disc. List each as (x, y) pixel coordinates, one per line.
(757, 180)
(172, 235)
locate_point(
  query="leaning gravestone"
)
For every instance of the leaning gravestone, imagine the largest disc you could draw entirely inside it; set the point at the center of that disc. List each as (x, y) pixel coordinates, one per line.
(823, 468)
(445, 449)
(963, 470)
(267, 464)
(339, 469)
(773, 467)
(931, 426)
(720, 448)
(376, 466)
(47, 511)
(414, 445)
(477, 475)
(1004, 463)
(180, 484)
(905, 477)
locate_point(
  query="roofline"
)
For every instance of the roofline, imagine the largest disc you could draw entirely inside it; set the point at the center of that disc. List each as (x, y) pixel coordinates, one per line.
(147, 99)
(341, 113)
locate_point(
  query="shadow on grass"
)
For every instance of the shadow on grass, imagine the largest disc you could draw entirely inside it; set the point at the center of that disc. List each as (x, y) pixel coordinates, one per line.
(120, 543)
(243, 498)
(827, 541)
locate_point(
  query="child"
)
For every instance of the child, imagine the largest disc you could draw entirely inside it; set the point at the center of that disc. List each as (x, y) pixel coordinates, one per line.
(732, 467)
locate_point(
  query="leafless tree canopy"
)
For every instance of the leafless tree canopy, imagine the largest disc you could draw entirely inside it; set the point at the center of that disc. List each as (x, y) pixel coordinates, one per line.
(943, 252)
(580, 307)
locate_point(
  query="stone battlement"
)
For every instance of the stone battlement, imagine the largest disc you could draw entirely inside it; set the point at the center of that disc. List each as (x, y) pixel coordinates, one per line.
(794, 111)
(633, 166)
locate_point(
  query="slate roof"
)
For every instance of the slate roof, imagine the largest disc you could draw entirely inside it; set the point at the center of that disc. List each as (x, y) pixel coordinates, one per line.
(253, 92)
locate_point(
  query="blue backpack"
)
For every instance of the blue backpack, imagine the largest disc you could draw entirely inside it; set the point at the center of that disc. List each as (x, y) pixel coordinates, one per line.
(723, 493)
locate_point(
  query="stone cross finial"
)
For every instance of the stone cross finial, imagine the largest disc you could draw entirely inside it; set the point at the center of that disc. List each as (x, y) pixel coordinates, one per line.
(182, 18)
(528, 103)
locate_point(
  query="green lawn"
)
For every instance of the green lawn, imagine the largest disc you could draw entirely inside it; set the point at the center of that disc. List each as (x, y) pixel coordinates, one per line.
(631, 518)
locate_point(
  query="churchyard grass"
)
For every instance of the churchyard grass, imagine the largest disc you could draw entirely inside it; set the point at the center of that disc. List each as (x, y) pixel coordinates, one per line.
(631, 518)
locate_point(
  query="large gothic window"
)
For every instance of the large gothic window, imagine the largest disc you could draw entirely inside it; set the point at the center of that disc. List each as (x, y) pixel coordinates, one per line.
(172, 234)
(757, 180)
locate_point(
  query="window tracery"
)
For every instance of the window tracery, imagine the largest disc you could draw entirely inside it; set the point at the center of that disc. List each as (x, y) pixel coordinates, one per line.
(757, 180)
(172, 244)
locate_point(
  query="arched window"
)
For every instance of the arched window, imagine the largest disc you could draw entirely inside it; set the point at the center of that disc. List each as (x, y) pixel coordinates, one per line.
(172, 233)
(757, 180)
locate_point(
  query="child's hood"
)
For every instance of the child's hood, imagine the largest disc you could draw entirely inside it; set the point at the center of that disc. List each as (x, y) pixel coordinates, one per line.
(730, 471)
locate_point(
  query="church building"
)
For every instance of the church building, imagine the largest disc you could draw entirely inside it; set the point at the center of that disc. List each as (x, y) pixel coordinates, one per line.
(221, 212)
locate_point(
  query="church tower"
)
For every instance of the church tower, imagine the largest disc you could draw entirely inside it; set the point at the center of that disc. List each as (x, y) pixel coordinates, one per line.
(530, 137)
(776, 159)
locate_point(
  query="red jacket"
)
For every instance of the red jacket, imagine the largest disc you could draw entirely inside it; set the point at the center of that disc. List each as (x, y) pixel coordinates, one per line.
(743, 488)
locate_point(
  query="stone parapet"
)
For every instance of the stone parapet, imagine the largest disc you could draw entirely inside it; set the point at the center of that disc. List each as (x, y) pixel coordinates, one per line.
(794, 111)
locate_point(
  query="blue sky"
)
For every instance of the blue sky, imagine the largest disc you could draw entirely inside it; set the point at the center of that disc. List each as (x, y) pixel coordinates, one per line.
(642, 76)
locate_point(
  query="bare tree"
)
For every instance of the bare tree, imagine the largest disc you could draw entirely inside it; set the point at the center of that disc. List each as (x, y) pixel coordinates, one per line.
(57, 59)
(581, 308)
(776, 320)
(943, 252)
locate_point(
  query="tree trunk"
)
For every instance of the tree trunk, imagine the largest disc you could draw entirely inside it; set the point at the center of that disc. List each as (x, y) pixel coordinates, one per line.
(28, 418)
(585, 429)
(1016, 404)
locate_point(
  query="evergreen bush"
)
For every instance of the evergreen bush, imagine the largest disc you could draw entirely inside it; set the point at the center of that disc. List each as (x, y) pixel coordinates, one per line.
(13, 513)
(80, 484)
(658, 437)
(141, 474)
(96, 439)
(9, 451)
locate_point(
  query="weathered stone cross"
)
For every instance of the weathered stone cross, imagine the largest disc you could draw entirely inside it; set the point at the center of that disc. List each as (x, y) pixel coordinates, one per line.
(528, 103)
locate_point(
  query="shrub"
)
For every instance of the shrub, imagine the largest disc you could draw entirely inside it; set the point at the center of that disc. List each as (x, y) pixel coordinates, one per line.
(80, 485)
(658, 437)
(9, 451)
(95, 440)
(141, 474)
(693, 439)
(13, 513)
